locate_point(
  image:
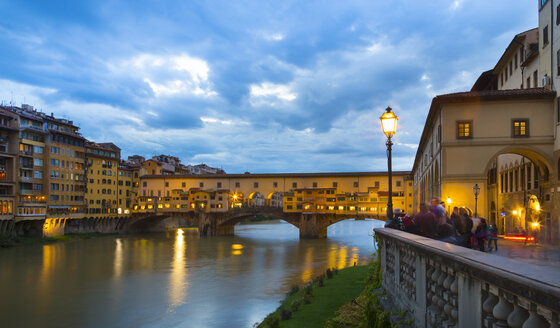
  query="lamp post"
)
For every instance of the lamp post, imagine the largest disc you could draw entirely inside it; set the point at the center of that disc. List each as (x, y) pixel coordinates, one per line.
(389, 125)
(476, 190)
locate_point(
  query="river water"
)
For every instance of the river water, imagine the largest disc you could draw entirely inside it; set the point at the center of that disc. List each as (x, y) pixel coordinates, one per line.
(173, 279)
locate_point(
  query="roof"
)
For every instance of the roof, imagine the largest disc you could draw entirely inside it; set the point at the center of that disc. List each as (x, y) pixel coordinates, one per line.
(484, 81)
(274, 175)
(516, 41)
(476, 96)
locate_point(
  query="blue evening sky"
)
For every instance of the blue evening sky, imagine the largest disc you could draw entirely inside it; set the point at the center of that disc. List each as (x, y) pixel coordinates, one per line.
(259, 86)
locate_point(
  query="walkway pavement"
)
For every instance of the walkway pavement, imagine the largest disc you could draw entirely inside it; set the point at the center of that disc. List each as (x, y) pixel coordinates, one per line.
(540, 255)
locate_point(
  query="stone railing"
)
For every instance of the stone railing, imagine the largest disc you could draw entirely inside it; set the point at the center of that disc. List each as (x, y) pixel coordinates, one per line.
(445, 285)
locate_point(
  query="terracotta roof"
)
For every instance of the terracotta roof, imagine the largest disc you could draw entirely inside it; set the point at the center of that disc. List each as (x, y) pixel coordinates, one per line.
(497, 95)
(274, 175)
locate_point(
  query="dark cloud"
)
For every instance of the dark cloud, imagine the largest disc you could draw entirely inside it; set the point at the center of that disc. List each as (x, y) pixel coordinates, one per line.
(321, 73)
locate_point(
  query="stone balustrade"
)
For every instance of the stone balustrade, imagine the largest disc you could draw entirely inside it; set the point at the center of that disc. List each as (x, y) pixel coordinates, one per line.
(445, 285)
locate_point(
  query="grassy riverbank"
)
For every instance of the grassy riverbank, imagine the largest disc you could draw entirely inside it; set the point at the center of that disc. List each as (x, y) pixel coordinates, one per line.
(317, 301)
(348, 298)
(20, 241)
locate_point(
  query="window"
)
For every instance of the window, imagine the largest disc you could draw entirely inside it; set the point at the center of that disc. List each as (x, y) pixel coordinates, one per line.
(520, 127)
(183, 184)
(545, 36)
(510, 68)
(37, 174)
(398, 183)
(439, 133)
(376, 184)
(294, 185)
(219, 185)
(201, 185)
(255, 185)
(515, 60)
(237, 185)
(166, 183)
(356, 184)
(38, 150)
(529, 82)
(335, 184)
(37, 162)
(144, 184)
(314, 184)
(464, 129)
(275, 185)
(535, 78)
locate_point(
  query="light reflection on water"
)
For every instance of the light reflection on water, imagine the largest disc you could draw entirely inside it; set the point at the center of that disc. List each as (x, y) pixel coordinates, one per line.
(175, 279)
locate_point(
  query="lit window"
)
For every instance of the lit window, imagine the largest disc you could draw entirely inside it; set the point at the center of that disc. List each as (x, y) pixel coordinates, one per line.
(520, 128)
(464, 129)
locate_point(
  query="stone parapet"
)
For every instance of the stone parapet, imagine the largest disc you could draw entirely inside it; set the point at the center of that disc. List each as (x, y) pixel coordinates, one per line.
(446, 285)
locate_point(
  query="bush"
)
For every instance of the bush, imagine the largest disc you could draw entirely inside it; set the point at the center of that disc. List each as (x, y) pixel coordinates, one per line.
(285, 314)
(306, 299)
(308, 290)
(319, 280)
(293, 290)
(329, 273)
(295, 305)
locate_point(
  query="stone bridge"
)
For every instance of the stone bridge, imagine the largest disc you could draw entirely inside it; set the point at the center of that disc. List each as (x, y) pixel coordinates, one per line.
(310, 225)
(444, 285)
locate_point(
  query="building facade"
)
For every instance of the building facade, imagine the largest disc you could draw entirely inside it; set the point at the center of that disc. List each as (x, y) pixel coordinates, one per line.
(102, 162)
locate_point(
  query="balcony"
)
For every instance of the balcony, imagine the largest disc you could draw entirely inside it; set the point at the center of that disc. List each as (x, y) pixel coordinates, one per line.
(33, 128)
(26, 179)
(26, 153)
(30, 192)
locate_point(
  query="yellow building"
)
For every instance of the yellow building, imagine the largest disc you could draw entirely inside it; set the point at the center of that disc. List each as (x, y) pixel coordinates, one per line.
(66, 165)
(33, 173)
(128, 179)
(102, 173)
(8, 160)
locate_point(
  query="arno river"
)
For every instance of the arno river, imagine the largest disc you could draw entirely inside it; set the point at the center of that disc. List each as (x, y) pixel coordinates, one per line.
(174, 279)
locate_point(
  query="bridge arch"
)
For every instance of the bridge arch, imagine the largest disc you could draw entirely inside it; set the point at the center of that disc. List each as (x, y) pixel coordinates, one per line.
(275, 199)
(256, 199)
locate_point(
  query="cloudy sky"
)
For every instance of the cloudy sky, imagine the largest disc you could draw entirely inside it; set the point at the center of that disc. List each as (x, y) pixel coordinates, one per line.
(259, 86)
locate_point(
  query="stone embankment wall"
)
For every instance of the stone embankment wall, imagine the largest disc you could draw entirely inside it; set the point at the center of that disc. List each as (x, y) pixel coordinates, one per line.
(445, 285)
(132, 224)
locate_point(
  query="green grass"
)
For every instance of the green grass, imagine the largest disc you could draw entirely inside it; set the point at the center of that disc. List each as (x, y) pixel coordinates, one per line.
(324, 302)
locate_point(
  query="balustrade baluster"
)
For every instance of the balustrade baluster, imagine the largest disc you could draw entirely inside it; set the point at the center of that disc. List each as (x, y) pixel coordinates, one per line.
(535, 320)
(518, 316)
(488, 307)
(502, 310)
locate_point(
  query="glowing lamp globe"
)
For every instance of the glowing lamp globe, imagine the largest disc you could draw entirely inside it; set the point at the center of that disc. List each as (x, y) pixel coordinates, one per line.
(389, 122)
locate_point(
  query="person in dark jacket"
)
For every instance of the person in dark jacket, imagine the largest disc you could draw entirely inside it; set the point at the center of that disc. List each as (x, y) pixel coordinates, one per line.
(456, 221)
(426, 221)
(480, 233)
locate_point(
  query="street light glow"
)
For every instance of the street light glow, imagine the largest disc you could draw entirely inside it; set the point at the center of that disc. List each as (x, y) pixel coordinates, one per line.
(448, 200)
(389, 122)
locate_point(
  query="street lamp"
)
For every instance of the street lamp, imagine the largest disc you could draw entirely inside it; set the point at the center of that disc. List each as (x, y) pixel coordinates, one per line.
(389, 126)
(476, 190)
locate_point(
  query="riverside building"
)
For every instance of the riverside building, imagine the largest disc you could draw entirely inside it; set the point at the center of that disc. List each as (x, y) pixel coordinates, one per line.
(502, 136)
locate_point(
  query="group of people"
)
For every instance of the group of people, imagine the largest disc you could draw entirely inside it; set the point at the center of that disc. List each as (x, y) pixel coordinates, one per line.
(458, 228)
